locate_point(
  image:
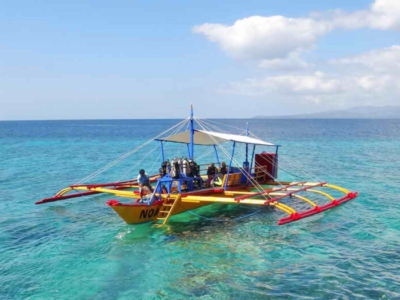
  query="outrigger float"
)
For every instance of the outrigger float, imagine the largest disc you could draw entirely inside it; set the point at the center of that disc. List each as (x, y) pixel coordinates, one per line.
(254, 182)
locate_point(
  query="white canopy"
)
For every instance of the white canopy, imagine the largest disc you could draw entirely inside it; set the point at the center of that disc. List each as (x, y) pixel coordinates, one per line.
(202, 137)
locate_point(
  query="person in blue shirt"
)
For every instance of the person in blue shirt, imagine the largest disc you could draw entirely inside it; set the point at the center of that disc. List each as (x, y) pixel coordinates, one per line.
(143, 181)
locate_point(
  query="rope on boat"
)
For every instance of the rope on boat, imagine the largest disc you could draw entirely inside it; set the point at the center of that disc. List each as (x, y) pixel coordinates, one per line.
(134, 166)
(181, 145)
(113, 163)
(210, 151)
(212, 121)
(291, 162)
(298, 166)
(244, 172)
(303, 170)
(215, 127)
(255, 183)
(275, 164)
(167, 144)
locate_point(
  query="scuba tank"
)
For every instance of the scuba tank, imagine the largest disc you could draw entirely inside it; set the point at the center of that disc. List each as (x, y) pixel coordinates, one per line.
(180, 164)
(185, 166)
(175, 169)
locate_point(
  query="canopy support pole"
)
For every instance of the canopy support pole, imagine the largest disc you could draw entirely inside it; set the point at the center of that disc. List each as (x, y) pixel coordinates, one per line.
(275, 173)
(191, 132)
(162, 151)
(216, 154)
(247, 145)
(252, 158)
(230, 165)
(188, 149)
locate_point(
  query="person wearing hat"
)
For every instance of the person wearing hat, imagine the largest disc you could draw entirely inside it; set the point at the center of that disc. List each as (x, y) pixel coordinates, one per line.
(143, 181)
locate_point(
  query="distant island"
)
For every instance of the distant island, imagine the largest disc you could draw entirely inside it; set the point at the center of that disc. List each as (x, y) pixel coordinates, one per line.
(360, 112)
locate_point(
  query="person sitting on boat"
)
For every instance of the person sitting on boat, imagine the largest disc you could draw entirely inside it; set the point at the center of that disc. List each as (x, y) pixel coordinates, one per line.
(211, 172)
(223, 170)
(143, 181)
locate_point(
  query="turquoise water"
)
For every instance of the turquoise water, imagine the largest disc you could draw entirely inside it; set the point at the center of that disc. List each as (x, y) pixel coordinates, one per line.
(80, 249)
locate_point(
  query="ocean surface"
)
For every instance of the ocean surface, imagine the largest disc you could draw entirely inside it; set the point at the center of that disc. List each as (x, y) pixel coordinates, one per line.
(81, 249)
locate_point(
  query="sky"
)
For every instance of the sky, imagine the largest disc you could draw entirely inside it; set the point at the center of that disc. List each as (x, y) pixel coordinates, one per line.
(231, 59)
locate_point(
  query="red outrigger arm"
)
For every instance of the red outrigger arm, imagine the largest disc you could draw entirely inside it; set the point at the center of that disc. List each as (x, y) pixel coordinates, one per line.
(317, 209)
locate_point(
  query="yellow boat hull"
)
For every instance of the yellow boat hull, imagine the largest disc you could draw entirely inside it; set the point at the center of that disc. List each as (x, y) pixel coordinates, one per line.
(136, 213)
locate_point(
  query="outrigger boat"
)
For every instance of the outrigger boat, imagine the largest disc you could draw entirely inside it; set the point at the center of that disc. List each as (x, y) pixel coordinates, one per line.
(254, 182)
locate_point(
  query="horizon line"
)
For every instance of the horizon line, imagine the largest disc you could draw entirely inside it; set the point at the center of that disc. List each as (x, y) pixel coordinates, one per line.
(251, 118)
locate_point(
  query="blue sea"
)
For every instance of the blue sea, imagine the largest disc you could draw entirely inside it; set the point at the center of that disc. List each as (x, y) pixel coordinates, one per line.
(81, 249)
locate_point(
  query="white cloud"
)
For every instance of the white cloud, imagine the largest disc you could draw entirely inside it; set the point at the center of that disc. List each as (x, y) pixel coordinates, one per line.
(291, 62)
(379, 60)
(382, 14)
(377, 83)
(319, 88)
(272, 40)
(278, 42)
(313, 84)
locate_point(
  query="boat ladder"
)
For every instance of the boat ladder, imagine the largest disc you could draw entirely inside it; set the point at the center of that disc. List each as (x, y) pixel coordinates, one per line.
(167, 209)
